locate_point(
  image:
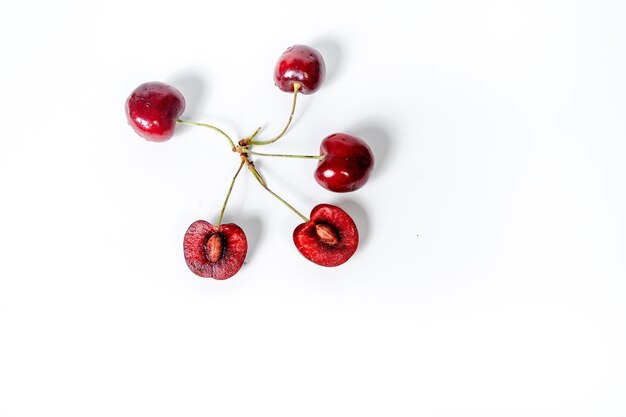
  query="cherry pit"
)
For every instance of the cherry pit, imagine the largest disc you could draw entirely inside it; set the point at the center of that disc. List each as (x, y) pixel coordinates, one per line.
(329, 236)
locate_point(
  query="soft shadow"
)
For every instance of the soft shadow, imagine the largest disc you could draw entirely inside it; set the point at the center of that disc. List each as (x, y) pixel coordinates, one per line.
(193, 88)
(294, 188)
(253, 228)
(332, 52)
(378, 138)
(360, 217)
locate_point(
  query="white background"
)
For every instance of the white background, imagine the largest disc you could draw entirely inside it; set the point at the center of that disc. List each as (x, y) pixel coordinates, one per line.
(491, 276)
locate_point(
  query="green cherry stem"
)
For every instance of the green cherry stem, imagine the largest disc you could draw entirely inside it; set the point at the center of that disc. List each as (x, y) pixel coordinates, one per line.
(256, 173)
(256, 132)
(230, 189)
(302, 216)
(217, 129)
(282, 155)
(296, 88)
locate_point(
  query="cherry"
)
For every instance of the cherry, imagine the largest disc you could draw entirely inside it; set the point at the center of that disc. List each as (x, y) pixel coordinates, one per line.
(346, 164)
(329, 238)
(300, 64)
(214, 251)
(152, 110)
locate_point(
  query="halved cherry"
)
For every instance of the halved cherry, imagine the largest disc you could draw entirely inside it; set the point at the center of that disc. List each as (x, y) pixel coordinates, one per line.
(329, 238)
(214, 251)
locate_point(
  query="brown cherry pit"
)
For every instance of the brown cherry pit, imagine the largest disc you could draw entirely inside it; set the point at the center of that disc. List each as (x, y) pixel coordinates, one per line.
(329, 237)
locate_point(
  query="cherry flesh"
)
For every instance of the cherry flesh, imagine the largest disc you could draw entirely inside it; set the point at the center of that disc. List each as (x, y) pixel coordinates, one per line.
(152, 110)
(346, 165)
(329, 238)
(300, 64)
(214, 251)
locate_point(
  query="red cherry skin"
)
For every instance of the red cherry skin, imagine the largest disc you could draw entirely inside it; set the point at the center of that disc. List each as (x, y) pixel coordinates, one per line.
(152, 110)
(214, 251)
(329, 238)
(301, 64)
(347, 163)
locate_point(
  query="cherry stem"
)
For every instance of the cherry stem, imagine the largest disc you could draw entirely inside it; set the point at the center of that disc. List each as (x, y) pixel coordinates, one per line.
(256, 132)
(281, 155)
(302, 216)
(217, 129)
(296, 88)
(256, 173)
(230, 189)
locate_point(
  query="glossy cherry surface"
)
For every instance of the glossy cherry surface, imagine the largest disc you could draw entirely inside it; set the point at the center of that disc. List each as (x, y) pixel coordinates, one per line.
(214, 251)
(302, 64)
(152, 110)
(329, 238)
(347, 163)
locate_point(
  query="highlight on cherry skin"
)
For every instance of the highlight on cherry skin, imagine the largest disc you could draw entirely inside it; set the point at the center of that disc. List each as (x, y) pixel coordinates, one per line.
(152, 110)
(346, 164)
(300, 64)
(214, 251)
(329, 238)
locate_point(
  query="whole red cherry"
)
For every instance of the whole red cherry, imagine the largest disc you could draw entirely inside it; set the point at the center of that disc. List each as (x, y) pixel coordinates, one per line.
(346, 165)
(301, 64)
(214, 251)
(152, 110)
(329, 238)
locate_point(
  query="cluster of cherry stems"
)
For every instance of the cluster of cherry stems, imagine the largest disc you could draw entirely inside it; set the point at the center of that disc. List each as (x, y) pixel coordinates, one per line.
(329, 237)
